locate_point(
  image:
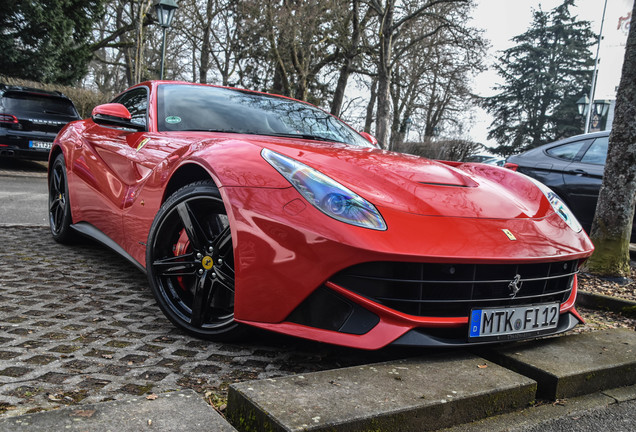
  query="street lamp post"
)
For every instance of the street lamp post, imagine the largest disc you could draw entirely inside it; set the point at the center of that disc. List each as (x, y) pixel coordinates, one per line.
(165, 12)
(583, 105)
(592, 112)
(593, 87)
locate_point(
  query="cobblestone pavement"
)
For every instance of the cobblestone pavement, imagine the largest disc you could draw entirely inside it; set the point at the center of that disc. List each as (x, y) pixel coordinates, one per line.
(79, 325)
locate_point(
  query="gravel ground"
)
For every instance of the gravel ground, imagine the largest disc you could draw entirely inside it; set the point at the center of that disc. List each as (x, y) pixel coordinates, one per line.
(599, 320)
(612, 288)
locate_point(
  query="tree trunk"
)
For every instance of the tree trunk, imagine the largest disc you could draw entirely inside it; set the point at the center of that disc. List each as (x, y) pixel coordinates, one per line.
(384, 76)
(345, 71)
(338, 95)
(370, 107)
(612, 224)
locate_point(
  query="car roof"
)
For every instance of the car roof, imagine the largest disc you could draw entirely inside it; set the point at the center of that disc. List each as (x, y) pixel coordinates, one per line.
(578, 138)
(31, 90)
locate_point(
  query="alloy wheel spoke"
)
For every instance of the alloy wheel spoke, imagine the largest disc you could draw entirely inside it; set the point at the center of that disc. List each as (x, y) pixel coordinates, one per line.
(56, 218)
(225, 272)
(57, 181)
(223, 240)
(55, 204)
(225, 284)
(204, 290)
(182, 265)
(193, 228)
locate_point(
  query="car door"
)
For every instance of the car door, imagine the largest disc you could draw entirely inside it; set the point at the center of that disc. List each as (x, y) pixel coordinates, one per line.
(551, 168)
(583, 178)
(106, 165)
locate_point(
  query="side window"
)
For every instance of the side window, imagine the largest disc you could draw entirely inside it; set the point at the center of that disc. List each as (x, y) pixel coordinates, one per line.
(567, 151)
(597, 152)
(137, 103)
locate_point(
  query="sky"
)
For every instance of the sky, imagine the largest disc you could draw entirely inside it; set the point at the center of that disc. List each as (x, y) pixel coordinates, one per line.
(504, 19)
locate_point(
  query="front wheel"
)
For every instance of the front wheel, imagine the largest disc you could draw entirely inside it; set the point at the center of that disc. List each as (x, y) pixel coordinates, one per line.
(190, 263)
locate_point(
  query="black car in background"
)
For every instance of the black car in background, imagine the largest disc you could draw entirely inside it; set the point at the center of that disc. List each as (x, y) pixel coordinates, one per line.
(30, 119)
(572, 168)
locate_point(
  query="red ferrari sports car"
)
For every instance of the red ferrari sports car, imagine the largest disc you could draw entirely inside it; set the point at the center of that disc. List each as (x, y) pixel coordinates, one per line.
(249, 209)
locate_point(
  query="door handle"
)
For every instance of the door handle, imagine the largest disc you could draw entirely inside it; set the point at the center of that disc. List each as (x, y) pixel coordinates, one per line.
(577, 172)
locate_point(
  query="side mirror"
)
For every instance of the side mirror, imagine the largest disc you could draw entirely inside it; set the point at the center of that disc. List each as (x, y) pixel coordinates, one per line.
(114, 114)
(370, 138)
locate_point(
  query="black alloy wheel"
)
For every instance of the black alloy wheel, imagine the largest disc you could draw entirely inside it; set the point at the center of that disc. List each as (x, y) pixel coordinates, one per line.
(190, 263)
(59, 204)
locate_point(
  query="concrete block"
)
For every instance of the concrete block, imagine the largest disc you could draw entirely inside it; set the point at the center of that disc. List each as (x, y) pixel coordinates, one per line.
(170, 412)
(573, 365)
(406, 395)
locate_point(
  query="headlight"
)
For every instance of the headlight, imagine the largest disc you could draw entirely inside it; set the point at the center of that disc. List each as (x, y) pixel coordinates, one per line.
(559, 206)
(327, 195)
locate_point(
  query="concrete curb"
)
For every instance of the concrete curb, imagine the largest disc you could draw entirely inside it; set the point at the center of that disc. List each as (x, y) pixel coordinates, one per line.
(178, 411)
(441, 391)
(605, 302)
(408, 395)
(573, 365)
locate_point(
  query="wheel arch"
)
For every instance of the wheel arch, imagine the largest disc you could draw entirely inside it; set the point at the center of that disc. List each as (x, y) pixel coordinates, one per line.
(185, 175)
(55, 151)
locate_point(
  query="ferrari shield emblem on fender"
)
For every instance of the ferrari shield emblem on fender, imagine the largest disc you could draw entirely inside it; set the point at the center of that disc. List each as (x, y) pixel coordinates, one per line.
(509, 234)
(143, 143)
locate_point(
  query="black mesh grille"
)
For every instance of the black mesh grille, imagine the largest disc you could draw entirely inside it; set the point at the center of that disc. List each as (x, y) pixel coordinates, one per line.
(444, 290)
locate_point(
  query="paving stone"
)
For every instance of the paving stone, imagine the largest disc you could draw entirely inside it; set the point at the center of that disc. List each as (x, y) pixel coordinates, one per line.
(573, 365)
(65, 309)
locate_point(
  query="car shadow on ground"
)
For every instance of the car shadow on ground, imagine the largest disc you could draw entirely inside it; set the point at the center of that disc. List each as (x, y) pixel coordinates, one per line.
(22, 165)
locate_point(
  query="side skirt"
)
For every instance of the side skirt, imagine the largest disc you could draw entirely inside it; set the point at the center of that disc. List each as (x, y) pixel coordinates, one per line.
(90, 231)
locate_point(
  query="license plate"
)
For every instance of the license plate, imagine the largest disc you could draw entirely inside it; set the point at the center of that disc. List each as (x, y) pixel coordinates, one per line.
(513, 320)
(46, 145)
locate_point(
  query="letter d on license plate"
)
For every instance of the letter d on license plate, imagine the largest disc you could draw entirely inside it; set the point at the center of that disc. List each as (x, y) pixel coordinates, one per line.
(513, 320)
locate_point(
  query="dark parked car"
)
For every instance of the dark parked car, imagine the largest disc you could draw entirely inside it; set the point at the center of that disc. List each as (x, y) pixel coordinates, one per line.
(572, 168)
(30, 119)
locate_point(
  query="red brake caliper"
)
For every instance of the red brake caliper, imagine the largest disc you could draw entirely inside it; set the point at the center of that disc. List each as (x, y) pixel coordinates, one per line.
(181, 248)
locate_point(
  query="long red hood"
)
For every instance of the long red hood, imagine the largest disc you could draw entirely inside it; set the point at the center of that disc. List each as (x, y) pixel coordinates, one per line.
(422, 186)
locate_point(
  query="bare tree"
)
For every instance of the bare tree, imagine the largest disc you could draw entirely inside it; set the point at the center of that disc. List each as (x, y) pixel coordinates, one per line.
(392, 19)
(612, 224)
(353, 44)
(430, 90)
(120, 51)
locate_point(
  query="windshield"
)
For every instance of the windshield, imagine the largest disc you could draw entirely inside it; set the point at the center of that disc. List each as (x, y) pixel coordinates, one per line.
(214, 109)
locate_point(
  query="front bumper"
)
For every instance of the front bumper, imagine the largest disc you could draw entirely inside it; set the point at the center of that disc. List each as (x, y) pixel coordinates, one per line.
(286, 250)
(26, 145)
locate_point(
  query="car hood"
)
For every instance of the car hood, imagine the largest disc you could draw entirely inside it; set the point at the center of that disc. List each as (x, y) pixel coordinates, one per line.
(422, 186)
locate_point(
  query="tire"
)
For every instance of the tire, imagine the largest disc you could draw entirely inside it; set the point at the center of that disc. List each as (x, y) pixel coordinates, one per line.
(190, 263)
(59, 203)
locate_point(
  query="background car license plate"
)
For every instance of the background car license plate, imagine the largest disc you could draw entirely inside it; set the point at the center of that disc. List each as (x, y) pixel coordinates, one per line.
(40, 145)
(513, 320)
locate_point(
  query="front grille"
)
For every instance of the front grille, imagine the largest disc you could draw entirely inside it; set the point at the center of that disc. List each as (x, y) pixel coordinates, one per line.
(445, 290)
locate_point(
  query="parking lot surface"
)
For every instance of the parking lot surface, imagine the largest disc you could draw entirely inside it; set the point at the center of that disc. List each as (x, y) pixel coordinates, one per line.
(78, 325)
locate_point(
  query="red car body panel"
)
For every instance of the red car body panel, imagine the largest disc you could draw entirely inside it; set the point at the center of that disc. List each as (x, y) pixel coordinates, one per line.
(284, 248)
